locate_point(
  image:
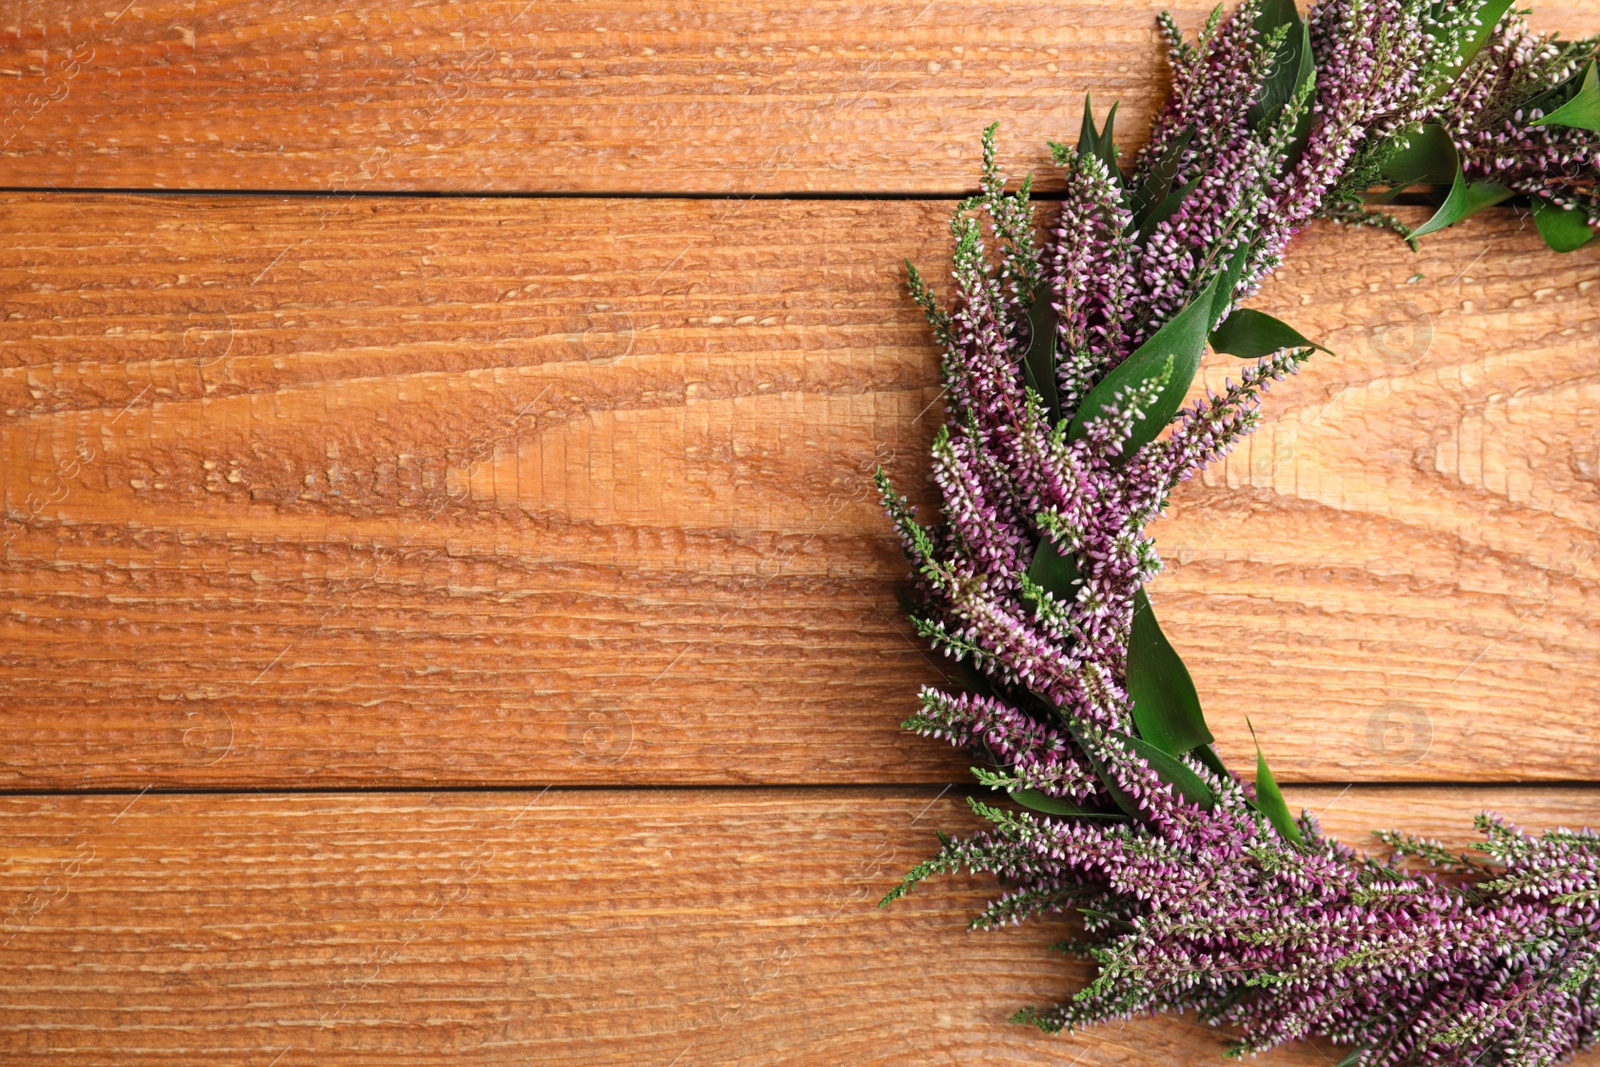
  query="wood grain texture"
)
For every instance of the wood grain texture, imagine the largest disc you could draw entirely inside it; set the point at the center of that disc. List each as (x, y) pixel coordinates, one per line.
(490, 491)
(1403, 567)
(616, 96)
(483, 492)
(507, 95)
(723, 927)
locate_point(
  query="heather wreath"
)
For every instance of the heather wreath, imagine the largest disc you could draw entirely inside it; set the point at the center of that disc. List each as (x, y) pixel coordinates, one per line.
(1066, 361)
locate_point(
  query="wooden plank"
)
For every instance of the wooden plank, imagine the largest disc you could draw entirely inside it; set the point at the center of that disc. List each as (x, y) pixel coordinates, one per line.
(1410, 548)
(490, 491)
(453, 491)
(617, 96)
(687, 927)
(613, 96)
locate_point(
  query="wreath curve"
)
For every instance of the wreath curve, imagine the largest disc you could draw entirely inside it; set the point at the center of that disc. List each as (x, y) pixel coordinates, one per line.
(1064, 364)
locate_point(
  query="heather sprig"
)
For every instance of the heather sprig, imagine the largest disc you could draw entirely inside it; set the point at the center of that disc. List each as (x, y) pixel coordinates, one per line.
(1065, 361)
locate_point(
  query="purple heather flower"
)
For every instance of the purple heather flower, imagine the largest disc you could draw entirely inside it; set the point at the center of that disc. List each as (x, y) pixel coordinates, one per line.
(1474, 961)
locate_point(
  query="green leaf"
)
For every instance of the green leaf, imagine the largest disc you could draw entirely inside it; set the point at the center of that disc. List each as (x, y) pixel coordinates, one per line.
(1465, 199)
(1172, 771)
(1489, 15)
(1174, 351)
(1118, 795)
(1431, 157)
(1167, 208)
(1225, 283)
(1269, 798)
(1250, 334)
(1292, 63)
(1208, 756)
(1108, 145)
(1428, 156)
(1482, 195)
(1053, 572)
(1168, 768)
(1166, 708)
(1032, 798)
(1582, 112)
(1088, 134)
(1039, 364)
(1157, 184)
(1563, 229)
(1102, 143)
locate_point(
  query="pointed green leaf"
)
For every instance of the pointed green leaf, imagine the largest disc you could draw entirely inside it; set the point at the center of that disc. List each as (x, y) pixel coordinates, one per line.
(1428, 156)
(1489, 17)
(1292, 63)
(1166, 708)
(1208, 756)
(1489, 14)
(1118, 795)
(1351, 1058)
(1054, 573)
(1455, 204)
(1481, 195)
(1157, 184)
(1168, 768)
(1088, 134)
(1465, 199)
(1039, 364)
(1306, 68)
(1269, 799)
(1174, 351)
(1173, 771)
(1167, 208)
(1225, 284)
(1583, 110)
(1099, 143)
(1032, 798)
(1250, 334)
(1108, 145)
(1563, 229)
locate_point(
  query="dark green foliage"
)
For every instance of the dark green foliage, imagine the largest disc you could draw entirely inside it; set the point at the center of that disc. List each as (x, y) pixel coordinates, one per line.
(1166, 707)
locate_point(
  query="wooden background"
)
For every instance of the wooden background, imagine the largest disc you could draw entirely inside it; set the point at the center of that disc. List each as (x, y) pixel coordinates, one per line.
(445, 617)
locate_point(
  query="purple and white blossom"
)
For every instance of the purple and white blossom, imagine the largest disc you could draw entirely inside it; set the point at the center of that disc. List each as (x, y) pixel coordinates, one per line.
(1485, 960)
